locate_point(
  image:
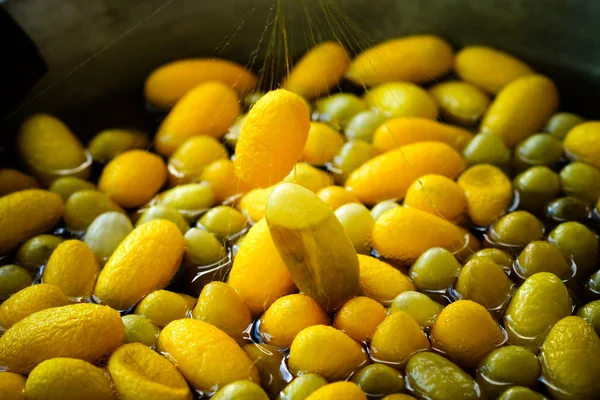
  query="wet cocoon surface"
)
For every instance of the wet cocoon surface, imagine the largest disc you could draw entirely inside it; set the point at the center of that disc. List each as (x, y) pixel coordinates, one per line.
(488, 192)
(389, 175)
(521, 109)
(205, 355)
(407, 130)
(312, 243)
(403, 234)
(48, 147)
(259, 284)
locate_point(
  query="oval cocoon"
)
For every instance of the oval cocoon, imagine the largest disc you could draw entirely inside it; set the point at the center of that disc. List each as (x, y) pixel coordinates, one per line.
(83, 331)
(25, 214)
(144, 262)
(389, 175)
(406, 130)
(170, 82)
(521, 109)
(417, 58)
(318, 71)
(208, 109)
(403, 234)
(272, 139)
(205, 355)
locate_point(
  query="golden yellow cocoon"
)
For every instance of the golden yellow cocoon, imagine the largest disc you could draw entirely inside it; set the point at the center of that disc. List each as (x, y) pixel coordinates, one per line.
(389, 175)
(338, 390)
(465, 332)
(206, 356)
(406, 130)
(488, 68)
(223, 181)
(461, 102)
(403, 234)
(208, 109)
(133, 178)
(68, 378)
(287, 316)
(322, 144)
(30, 300)
(417, 58)
(318, 71)
(139, 373)
(221, 306)
(521, 109)
(73, 268)
(488, 191)
(380, 281)
(582, 143)
(259, 275)
(359, 318)
(397, 338)
(336, 196)
(83, 331)
(145, 261)
(402, 99)
(325, 351)
(12, 386)
(437, 195)
(170, 82)
(272, 139)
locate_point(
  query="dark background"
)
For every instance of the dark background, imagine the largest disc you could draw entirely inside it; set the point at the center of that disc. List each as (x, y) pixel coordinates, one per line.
(99, 52)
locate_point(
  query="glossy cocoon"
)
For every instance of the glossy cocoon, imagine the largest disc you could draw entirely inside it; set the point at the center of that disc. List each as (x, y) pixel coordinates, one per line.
(325, 351)
(397, 338)
(389, 175)
(419, 231)
(73, 268)
(207, 109)
(68, 378)
(205, 355)
(465, 332)
(521, 109)
(313, 245)
(259, 284)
